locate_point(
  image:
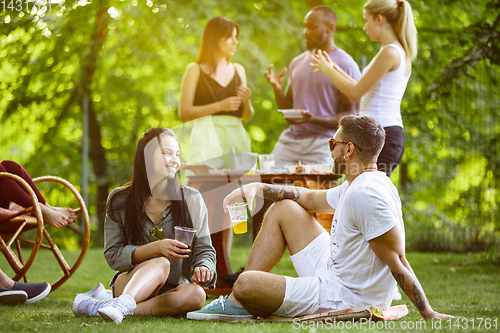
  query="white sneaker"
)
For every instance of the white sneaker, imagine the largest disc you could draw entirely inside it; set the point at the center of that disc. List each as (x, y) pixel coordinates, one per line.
(118, 308)
(84, 305)
(100, 292)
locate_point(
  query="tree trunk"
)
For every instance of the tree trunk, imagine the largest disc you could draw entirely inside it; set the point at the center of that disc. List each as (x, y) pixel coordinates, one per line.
(97, 152)
(100, 167)
(405, 180)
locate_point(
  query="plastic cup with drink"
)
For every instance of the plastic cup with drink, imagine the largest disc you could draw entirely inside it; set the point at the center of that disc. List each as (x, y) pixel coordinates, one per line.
(238, 214)
(184, 235)
(267, 164)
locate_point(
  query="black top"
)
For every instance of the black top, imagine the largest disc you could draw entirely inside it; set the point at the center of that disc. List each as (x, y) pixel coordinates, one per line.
(210, 91)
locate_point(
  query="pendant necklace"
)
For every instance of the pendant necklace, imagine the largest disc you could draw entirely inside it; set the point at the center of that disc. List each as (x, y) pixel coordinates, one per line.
(159, 210)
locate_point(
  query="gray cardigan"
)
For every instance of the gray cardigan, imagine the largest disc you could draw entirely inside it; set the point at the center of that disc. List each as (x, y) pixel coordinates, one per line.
(118, 251)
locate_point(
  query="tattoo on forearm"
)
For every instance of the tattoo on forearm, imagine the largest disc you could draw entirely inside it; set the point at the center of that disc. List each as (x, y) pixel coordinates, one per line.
(419, 297)
(400, 279)
(278, 193)
(418, 293)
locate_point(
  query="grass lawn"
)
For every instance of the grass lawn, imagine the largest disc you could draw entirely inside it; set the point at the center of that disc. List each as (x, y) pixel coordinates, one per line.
(459, 284)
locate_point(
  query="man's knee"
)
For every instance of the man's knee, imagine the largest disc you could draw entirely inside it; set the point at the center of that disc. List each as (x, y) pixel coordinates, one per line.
(285, 207)
(286, 211)
(245, 286)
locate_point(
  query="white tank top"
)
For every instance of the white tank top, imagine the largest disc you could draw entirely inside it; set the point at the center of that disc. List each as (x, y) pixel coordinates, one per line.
(383, 101)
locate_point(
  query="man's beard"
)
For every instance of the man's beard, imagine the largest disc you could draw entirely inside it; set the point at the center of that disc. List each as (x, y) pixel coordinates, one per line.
(339, 166)
(312, 43)
(311, 46)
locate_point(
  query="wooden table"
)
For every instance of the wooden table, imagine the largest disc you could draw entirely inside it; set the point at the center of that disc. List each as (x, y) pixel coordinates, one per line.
(214, 189)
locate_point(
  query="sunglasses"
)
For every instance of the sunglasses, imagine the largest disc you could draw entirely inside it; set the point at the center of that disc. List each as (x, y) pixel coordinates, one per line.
(332, 143)
(157, 233)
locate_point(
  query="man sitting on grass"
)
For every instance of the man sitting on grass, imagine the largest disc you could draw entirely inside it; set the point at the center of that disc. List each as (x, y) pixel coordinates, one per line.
(355, 266)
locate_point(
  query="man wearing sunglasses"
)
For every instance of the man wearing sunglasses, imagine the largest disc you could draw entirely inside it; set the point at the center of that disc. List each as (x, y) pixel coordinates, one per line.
(357, 265)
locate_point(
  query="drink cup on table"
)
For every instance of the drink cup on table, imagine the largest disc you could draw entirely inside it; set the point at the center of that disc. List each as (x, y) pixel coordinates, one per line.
(238, 214)
(266, 163)
(184, 235)
(252, 157)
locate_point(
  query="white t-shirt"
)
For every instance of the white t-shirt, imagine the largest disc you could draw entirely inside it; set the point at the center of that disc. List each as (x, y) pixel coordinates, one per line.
(383, 100)
(367, 208)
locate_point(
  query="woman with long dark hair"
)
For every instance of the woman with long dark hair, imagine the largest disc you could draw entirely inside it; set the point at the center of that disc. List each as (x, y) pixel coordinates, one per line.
(215, 95)
(155, 274)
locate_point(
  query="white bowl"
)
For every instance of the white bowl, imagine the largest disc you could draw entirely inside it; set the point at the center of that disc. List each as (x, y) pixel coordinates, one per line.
(323, 168)
(292, 113)
(299, 169)
(309, 168)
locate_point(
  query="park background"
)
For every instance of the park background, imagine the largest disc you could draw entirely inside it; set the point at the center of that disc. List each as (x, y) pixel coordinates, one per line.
(124, 61)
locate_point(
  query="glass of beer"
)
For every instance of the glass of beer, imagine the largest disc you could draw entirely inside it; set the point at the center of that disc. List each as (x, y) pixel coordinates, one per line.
(238, 214)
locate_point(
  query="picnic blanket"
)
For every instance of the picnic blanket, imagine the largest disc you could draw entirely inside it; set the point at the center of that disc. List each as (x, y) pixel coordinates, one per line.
(369, 312)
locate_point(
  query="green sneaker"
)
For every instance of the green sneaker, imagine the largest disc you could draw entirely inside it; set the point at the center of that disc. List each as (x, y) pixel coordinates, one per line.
(221, 309)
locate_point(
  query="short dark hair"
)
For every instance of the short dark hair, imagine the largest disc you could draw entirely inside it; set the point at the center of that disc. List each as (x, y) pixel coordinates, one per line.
(329, 15)
(364, 131)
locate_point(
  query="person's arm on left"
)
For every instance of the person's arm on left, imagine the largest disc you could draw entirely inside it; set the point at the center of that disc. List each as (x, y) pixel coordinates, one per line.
(390, 249)
(386, 60)
(244, 93)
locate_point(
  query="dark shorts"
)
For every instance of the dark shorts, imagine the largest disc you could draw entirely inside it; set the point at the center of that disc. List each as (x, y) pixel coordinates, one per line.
(392, 153)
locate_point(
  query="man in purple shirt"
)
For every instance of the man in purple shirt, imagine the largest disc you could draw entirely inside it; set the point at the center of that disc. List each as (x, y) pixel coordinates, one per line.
(306, 138)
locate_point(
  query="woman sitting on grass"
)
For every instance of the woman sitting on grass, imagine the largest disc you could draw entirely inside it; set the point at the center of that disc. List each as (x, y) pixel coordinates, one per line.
(155, 274)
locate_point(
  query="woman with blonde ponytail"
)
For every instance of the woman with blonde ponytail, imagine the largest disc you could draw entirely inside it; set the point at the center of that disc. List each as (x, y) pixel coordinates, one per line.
(384, 80)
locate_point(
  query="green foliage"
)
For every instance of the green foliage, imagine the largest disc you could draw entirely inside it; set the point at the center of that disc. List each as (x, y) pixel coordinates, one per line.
(128, 57)
(453, 129)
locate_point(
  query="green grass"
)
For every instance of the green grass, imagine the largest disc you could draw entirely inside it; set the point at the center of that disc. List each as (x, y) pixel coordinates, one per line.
(459, 284)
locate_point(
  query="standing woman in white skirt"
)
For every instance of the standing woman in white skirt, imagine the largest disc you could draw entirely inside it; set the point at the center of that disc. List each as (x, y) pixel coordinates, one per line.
(214, 86)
